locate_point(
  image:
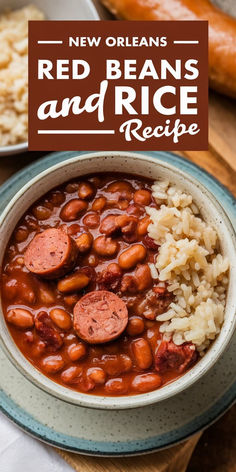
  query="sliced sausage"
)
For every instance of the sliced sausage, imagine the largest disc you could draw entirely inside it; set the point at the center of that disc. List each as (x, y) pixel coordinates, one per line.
(51, 253)
(100, 317)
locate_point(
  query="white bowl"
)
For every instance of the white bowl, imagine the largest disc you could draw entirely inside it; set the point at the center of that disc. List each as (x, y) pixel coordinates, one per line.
(148, 167)
(53, 10)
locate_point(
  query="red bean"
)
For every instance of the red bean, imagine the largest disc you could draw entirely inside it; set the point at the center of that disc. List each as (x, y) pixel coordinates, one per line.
(71, 374)
(146, 382)
(73, 209)
(77, 351)
(91, 220)
(105, 247)
(21, 318)
(86, 190)
(116, 386)
(142, 353)
(143, 277)
(53, 364)
(99, 204)
(73, 282)
(142, 197)
(84, 242)
(135, 326)
(61, 318)
(131, 256)
(96, 375)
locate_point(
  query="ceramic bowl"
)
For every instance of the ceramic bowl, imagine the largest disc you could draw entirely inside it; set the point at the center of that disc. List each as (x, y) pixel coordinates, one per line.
(136, 163)
(54, 10)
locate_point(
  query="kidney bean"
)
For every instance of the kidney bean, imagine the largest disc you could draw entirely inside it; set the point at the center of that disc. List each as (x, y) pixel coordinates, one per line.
(146, 382)
(71, 300)
(61, 318)
(72, 187)
(143, 225)
(92, 260)
(10, 289)
(73, 282)
(135, 210)
(124, 188)
(91, 220)
(105, 247)
(52, 364)
(86, 190)
(73, 229)
(21, 234)
(27, 293)
(56, 197)
(77, 351)
(143, 277)
(96, 375)
(109, 225)
(142, 353)
(135, 326)
(97, 181)
(20, 317)
(122, 204)
(41, 212)
(128, 226)
(84, 242)
(31, 223)
(46, 295)
(116, 364)
(38, 349)
(116, 386)
(131, 256)
(99, 204)
(142, 197)
(71, 374)
(73, 209)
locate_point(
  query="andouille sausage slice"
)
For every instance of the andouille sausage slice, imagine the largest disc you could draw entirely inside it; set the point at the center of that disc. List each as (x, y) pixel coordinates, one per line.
(51, 253)
(100, 317)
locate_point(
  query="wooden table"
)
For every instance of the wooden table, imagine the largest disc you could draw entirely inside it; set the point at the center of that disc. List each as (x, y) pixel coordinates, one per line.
(219, 160)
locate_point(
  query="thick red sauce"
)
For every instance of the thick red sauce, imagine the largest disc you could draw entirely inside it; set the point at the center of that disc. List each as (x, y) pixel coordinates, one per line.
(127, 365)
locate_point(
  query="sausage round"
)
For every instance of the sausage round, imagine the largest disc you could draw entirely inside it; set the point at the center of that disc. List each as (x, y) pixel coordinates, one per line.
(100, 317)
(51, 253)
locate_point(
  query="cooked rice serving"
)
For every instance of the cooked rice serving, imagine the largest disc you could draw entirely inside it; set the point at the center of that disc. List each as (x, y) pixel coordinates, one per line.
(190, 262)
(14, 73)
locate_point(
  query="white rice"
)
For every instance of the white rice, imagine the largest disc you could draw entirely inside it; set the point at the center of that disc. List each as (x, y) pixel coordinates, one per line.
(14, 73)
(190, 261)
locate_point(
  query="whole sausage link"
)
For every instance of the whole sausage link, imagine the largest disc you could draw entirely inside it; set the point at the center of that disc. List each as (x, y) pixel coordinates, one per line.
(131, 256)
(142, 353)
